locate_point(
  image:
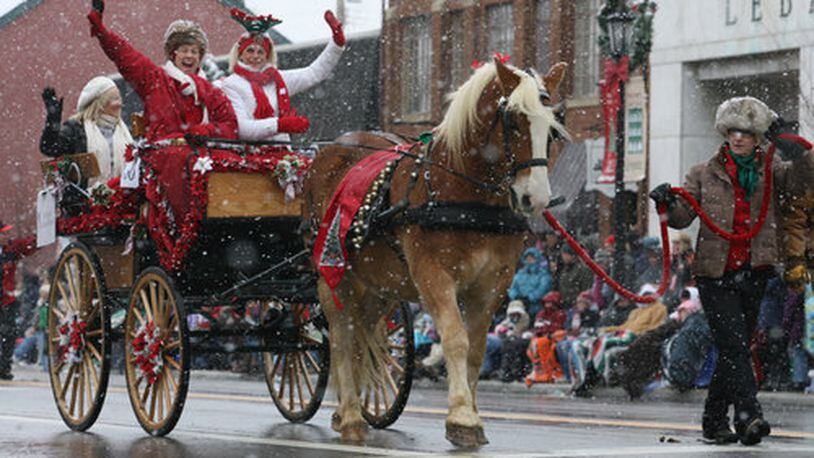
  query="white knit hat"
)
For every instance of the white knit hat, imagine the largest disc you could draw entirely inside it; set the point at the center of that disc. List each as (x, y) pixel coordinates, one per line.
(516, 307)
(95, 87)
(744, 113)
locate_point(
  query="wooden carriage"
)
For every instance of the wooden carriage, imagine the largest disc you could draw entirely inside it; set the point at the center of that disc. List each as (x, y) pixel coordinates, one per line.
(249, 251)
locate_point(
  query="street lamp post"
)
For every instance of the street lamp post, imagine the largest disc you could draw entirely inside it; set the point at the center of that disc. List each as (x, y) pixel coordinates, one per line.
(619, 22)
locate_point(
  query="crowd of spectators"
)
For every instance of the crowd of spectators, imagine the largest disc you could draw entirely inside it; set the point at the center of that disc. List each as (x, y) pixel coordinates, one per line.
(563, 323)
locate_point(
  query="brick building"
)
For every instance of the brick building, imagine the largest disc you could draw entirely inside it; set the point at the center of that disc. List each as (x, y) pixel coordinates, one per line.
(429, 46)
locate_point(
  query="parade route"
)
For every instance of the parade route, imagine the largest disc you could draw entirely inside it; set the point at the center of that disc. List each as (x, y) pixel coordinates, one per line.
(517, 425)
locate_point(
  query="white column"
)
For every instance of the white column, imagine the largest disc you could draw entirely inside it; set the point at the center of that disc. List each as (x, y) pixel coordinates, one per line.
(665, 130)
(806, 115)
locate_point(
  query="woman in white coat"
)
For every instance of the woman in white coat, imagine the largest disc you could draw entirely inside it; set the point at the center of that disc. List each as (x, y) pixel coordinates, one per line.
(260, 93)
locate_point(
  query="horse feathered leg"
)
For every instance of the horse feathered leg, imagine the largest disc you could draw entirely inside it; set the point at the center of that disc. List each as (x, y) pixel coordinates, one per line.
(437, 289)
(347, 419)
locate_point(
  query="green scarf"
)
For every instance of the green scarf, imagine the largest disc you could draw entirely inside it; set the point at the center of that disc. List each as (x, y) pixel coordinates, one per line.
(747, 172)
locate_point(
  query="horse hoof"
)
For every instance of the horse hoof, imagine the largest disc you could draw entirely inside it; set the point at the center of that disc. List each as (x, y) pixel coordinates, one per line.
(336, 422)
(355, 433)
(466, 436)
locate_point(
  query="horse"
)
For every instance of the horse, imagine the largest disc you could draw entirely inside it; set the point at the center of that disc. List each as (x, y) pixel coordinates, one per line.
(491, 149)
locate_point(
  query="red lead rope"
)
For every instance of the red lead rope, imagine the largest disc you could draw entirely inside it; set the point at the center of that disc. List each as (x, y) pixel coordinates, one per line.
(665, 242)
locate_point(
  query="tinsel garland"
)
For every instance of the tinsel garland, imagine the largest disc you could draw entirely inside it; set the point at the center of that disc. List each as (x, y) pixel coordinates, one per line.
(71, 333)
(148, 348)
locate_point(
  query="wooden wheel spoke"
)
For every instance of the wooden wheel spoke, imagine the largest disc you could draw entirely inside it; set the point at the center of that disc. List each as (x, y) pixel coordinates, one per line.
(91, 316)
(67, 382)
(74, 386)
(94, 333)
(159, 398)
(153, 396)
(290, 384)
(395, 364)
(138, 317)
(69, 277)
(377, 407)
(168, 376)
(145, 302)
(308, 383)
(384, 397)
(313, 362)
(167, 395)
(282, 378)
(172, 362)
(92, 348)
(396, 347)
(299, 373)
(65, 298)
(163, 307)
(145, 395)
(396, 329)
(92, 370)
(275, 367)
(172, 345)
(391, 382)
(57, 312)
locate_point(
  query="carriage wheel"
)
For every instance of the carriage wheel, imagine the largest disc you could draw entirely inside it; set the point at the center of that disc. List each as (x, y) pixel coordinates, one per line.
(156, 349)
(78, 337)
(383, 403)
(297, 377)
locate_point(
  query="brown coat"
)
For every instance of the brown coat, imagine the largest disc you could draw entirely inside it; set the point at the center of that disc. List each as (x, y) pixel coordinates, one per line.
(798, 217)
(712, 187)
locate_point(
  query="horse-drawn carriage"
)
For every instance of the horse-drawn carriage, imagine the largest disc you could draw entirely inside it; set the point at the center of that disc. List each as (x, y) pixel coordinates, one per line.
(210, 225)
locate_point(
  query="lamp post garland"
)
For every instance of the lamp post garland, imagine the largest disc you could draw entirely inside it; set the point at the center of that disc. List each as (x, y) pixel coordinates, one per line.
(625, 39)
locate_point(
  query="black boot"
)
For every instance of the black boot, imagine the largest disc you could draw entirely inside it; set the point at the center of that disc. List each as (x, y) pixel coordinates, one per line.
(715, 423)
(720, 436)
(754, 431)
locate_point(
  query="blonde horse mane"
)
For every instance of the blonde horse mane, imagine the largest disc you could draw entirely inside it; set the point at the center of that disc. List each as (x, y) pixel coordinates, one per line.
(462, 119)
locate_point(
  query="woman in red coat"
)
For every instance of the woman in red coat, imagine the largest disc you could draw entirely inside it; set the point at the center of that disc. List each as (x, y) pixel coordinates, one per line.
(177, 100)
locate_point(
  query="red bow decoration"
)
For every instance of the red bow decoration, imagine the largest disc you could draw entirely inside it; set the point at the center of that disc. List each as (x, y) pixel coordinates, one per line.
(503, 58)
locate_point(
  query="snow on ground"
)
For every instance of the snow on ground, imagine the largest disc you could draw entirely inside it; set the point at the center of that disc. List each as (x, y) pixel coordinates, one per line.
(302, 20)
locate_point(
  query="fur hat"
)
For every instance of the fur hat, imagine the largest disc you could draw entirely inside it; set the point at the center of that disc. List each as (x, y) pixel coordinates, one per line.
(744, 113)
(92, 90)
(183, 32)
(516, 307)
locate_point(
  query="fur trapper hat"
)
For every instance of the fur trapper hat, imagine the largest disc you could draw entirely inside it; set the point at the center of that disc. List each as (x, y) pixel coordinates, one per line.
(183, 32)
(744, 113)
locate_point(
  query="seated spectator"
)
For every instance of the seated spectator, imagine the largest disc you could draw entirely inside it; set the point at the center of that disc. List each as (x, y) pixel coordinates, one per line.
(641, 361)
(592, 359)
(512, 331)
(580, 322)
(685, 354)
(532, 281)
(617, 313)
(548, 329)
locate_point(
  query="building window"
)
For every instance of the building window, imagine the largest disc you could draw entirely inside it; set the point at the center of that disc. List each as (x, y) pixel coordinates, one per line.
(635, 131)
(457, 69)
(416, 74)
(500, 23)
(543, 27)
(586, 49)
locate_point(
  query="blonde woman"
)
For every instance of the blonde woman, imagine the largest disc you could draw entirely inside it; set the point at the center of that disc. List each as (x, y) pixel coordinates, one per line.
(96, 127)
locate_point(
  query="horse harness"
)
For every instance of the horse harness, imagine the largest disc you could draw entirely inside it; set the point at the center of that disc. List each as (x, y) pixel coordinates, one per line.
(377, 215)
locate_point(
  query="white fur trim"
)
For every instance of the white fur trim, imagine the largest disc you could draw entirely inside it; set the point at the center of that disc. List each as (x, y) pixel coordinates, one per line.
(744, 113)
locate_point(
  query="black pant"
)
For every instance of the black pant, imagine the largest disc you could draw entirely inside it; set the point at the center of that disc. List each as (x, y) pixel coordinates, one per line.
(731, 305)
(8, 335)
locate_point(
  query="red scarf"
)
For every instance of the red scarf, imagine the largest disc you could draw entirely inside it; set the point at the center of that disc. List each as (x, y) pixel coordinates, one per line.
(260, 79)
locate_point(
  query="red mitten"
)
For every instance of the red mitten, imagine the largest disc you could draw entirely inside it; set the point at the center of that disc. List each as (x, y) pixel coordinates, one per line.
(336, 28)
(201, 130)
(293, 124)
(96, 24)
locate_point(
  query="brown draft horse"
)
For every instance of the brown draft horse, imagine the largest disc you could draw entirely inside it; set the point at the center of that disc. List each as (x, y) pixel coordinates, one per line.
(440, 268)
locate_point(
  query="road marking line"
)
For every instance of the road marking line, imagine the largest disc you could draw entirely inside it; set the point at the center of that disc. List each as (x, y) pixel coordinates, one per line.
(513, 416)
(667, 449)
(239, 438)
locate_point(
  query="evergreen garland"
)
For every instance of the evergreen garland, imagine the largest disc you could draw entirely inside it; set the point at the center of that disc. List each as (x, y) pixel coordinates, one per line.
(643, 12)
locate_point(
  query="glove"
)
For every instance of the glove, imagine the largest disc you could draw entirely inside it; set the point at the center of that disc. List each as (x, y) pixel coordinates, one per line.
(784, 135)
(53, 106)
(95, 17)
(663, 194)
(796, 275)
(336, 28)
(792, 147)
(293, 124)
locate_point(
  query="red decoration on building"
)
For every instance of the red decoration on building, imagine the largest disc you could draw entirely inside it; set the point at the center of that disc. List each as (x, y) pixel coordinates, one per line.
(616, 72)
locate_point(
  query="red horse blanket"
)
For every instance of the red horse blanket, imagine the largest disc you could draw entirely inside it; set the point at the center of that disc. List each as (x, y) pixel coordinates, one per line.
(330, 254)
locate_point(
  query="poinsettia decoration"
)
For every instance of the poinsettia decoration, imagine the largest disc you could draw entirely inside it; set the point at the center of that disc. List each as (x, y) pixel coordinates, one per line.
(71, 334)
(148, 347)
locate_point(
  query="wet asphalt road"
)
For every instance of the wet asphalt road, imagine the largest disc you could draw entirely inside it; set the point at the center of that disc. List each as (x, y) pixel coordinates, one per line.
(231, 417)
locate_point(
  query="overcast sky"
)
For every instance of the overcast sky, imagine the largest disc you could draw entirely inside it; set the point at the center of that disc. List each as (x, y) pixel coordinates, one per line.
(303, 21)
